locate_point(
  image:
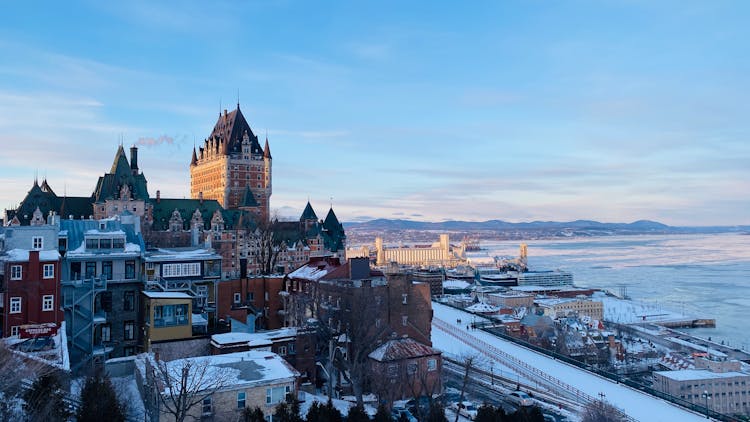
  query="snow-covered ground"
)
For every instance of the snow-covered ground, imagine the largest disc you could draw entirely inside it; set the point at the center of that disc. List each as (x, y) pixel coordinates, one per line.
(636, 404)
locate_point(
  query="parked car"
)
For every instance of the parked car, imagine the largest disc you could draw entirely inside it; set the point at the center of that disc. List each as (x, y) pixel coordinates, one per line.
(398, 412)
(466, 409)
(520, 398)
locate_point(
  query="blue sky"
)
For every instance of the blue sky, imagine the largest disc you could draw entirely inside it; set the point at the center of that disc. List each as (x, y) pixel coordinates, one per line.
(528, 110)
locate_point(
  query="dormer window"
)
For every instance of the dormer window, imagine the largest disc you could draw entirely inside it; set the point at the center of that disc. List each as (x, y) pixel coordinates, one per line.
(37, 242)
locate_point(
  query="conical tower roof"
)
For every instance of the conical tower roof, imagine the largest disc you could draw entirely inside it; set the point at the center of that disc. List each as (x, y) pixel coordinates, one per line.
(308, 213)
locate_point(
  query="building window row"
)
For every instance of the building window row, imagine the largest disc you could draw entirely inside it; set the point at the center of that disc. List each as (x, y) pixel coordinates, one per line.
(170, 315)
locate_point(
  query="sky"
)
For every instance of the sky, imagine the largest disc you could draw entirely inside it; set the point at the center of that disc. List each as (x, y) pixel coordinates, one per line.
(614, 111)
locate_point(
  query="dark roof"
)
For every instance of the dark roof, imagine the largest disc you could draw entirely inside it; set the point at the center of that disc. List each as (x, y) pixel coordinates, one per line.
(333, 232)
(308, 213)
(109, 185)
(230, 129)
(76, 206)
(267, 150)
(401, 349)
(194, 159)
(45, 199)
(163, 209)
(248, 199)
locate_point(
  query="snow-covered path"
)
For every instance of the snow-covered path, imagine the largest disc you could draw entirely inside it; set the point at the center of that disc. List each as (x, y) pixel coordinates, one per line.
(638, 405)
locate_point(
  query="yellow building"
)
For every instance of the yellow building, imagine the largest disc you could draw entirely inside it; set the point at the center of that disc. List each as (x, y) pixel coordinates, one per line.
(168, 316)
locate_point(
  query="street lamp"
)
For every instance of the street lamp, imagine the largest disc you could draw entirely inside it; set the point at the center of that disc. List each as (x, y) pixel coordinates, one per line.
(706, 396)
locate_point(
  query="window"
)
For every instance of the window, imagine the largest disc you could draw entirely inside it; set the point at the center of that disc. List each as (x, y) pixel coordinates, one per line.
(403, 298)
(92, 243)
(129, 351)
(14, 330)
(37, 242)
(392, 370)
(190, 269)
(431, 364)
(237, 298)
(15, 272)
(129, 330)
(106, 333)
(241, 400)
(207, 406)
(276, 394)
(404, 320)
(90, 269)
(105, 243)
(128, 301)
(411, 368)
(282, 350)
(250, 297)
(107, 270)
(48, 271)
(170, 315)
(48, 302)
(15, 305)
(118, 243)
(129, 270)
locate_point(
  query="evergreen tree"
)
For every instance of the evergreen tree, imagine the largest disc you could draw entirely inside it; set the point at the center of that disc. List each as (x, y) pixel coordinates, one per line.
(437, 413)
(44, 400)
(382, 415)
(99, 401)
(288, 411)
(324, 413)
(253, 415)
(486, 413)
(357, 414)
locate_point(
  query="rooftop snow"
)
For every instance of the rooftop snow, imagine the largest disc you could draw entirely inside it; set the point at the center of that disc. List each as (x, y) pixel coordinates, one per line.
(698, 374)
(309, 272)
(167, 295)
(22, 255)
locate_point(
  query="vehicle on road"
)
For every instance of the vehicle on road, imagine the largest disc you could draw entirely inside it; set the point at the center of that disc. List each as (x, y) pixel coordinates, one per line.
(520, 398)
(398, 412)
(466, 409)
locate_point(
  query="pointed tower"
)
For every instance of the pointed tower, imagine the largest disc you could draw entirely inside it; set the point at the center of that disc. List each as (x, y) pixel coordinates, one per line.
(308, 218)
(233, 164)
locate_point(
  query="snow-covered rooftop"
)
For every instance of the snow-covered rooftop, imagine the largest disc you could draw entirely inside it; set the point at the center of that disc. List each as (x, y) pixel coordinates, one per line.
(309, 272)
(253, 339)
(482, 308)
(167, 295)
(238, 369)
(178, 254)
(22, 255)
(698, 374)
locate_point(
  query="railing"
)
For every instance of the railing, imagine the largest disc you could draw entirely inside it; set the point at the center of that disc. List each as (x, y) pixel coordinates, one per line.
(489, 327)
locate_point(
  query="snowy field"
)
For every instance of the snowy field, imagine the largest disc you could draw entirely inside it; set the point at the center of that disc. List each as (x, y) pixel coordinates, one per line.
(636, 404)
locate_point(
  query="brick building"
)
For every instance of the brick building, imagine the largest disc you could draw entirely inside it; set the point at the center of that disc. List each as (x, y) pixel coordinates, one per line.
(30, 287)
(255, 302)
(232, 168)
(406, 369)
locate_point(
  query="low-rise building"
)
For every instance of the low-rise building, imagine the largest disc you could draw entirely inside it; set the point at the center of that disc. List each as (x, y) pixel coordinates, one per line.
(723, 392)
(510, 300)
(558, 308)
(406, 368)
(228, 383)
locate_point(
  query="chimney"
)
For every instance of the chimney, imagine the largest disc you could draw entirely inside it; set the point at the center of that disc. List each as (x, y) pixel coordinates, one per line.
(158, 196)
(200, 197)
(134, 159)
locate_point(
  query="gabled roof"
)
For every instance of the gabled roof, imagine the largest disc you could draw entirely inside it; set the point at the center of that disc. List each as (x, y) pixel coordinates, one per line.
(401, 349)
(109, 185)
(308, 213)
(163, 209)
(230, 129)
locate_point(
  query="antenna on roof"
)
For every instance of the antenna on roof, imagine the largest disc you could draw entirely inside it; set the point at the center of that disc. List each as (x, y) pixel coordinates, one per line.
(238, 98)
(331, 202)
(219, 106)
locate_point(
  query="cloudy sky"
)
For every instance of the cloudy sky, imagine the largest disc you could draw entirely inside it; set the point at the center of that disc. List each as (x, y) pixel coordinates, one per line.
(528, 110)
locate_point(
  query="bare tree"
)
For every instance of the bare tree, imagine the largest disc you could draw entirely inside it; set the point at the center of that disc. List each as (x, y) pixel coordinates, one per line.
(11, 390)
(183, 384)
(602, 411)
(467, 362)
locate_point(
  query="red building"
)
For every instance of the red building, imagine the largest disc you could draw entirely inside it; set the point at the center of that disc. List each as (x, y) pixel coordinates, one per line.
(256, 297)
(30, 289)
(405, 369)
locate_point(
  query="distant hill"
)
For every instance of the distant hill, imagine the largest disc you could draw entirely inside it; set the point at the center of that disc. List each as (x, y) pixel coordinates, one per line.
(552, 228)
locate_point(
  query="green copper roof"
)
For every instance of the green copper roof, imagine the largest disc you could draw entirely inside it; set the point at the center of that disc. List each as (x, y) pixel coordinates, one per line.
(308, 213)
(248, 199)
